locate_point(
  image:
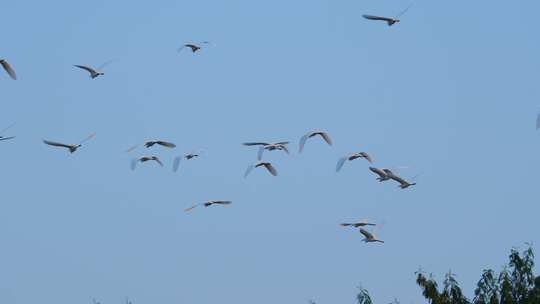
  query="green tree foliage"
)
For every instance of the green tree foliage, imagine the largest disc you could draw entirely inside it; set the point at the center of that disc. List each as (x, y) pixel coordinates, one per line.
(451, 293)
(363, 296)
(516, 284)
(487, 289)
(521, 272)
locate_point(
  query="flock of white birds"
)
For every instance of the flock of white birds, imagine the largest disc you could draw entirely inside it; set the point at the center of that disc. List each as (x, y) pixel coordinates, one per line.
(383, 174)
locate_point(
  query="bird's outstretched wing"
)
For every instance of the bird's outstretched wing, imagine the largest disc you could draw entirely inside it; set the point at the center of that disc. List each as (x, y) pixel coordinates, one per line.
(133, 164)
(6, 138)
(366, 233)
(371, 17)
(56, 144)
(198, 151)
(165, 144)
(7, 67)
(367, 157)
(7, 128)
(302, 143)
(271, 169)
(340, 163)
(414, 178)
(87, 138)
(158, 161)
(192, 46)
(191, 208)
(176, 163)
(284, 147)
(222, 202)
(132, 148)
(326, 138)
(255, 144)
(404, 11)
(260, 152)
(248, 170)
(106, 63)
(88, 69)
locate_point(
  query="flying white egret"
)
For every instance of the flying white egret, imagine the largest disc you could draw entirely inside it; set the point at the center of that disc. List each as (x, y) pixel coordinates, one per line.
(71, 148)
(151, 143)
(369, 237)
(389, 20)
(352, 157)
(208, 204)
(193, 46)
(311, 134)
(268, 166)
(166, 144)
(282, 146)
(94, 72)
(178, 159)
(358, 224)
(382, 173)
(144, 159)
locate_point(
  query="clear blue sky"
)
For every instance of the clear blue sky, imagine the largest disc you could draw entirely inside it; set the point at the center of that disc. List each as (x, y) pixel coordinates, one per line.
(452, 91)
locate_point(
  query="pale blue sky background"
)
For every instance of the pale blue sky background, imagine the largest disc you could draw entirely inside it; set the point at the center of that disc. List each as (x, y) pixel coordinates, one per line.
(452, 91)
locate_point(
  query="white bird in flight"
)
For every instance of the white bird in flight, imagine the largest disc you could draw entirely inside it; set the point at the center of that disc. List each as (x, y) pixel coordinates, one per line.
(389, 20)
(208, 204)
(145, 159)
(71, 148)
(358, 224)
(162, 143)
(193, 46)
(311, 134)
(151, 143)
(94, 72)
(178, 159)
(352, 157)
(382, 173)
(369, 237)
(268, 166)
(282, 146)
